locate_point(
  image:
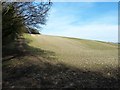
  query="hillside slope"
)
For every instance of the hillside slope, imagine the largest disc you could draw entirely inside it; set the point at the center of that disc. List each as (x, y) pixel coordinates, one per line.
(85, 54)
(42, 61)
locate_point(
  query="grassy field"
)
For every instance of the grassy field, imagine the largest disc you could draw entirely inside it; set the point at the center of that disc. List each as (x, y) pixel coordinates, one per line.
(83, 54)
(52, 61)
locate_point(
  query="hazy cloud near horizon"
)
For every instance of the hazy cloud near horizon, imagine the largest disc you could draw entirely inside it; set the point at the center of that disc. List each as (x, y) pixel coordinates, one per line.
(88, 20)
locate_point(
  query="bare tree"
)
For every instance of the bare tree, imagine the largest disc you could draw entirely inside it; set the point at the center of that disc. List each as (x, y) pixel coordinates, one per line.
(32, 13)
(22, 14)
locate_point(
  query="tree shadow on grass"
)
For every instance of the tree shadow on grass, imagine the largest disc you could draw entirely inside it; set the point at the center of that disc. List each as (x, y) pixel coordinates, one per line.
(37, 68)
(21, 48)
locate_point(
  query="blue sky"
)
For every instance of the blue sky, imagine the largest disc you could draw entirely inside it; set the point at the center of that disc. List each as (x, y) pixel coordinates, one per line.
(86, 20)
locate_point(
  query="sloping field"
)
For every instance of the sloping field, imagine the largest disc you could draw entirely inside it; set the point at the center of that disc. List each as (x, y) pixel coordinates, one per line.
(43, 61)
(83, 54)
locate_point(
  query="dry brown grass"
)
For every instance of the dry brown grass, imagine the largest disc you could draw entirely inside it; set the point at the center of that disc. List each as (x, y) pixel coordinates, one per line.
(43, 61)
(83, 54)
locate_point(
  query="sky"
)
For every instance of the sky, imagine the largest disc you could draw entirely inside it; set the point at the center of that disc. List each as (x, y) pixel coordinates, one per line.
(85, 20)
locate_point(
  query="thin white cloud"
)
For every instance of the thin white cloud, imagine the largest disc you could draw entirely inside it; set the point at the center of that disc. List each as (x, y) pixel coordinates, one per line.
(96, 30)
(101, 32)
(104, 28)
